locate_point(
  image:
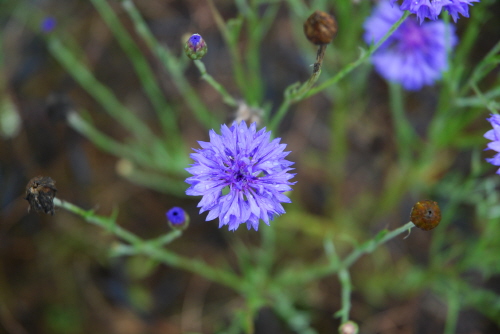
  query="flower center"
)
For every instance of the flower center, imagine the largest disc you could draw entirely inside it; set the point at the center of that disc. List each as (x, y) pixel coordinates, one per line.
(239, 173)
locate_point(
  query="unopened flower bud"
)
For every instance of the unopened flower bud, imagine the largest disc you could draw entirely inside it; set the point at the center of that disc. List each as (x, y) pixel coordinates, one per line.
(40, 193)
(426, 215)
(177, 218)
(349, 327)
(320, 28)
(195, 47)
(48, 24)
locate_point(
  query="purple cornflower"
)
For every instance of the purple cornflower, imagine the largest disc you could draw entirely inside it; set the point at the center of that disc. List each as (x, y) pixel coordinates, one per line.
(414, 55)
(241, 175)
(494, 136)
(432, 8)
(176, 216)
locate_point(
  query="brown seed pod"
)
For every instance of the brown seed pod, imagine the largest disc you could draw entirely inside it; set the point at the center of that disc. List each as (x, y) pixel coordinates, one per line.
(320, 28)
(40, 193)
(426, 215)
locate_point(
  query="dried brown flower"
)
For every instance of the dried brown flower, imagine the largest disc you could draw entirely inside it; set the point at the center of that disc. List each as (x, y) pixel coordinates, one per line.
(248, 114)
(426, 215)
(40, 193)
(320, 28)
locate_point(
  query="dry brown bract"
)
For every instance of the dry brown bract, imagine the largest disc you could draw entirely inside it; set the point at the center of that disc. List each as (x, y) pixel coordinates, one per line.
(40, 193)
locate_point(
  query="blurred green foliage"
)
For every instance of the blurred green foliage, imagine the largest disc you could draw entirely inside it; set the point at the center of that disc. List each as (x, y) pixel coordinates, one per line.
(383, 150)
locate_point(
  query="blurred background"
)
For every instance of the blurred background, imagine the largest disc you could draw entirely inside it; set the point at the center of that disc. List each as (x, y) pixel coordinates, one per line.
(56, 275)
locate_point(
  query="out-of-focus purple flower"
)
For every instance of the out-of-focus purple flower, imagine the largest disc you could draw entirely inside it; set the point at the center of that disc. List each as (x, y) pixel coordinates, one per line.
(494, 136)
(241, 175)
(48, 24)
(195, 47)
(432, 8)
(414, 55)
(177, 216)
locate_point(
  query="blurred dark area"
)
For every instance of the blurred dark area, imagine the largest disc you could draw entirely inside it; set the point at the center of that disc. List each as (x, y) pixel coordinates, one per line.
(56, 275)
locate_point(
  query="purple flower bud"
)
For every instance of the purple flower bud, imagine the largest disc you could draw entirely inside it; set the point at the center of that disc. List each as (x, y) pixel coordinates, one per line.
(48, 24)
(195, 47)
(177, 217)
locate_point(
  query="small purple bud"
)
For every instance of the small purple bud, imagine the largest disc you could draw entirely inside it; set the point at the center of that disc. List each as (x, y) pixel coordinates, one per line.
(177, 218)
(195, 47)
(48, 24)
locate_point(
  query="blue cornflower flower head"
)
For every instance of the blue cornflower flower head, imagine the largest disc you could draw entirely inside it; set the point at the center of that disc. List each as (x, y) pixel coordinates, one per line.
(494, 136)
(241, 175)
(415, 54)
(195, 47)
(177, 217)
(432, 8)
(48, 24)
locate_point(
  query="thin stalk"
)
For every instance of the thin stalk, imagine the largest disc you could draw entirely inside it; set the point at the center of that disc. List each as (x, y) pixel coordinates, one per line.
(226, 97)
(152, 250)
(148, 80)
(258, 26)
(172, 66)
(344, 278)
(453, 309)
(295, 93)
(296, 320)
(98, 91)
(103, 141)
(405, 134)
(230, 35)
(267, 250)
(345, 282)
(350, 67)
(316, 272)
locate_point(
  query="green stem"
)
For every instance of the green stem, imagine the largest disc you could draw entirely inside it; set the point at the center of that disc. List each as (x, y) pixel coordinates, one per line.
(106, 143)
(226, 97)
(98, 91)
(172, 66)
(349, 68)
(142, 68)
(296, 320)
(344, 278)
(296, 92)
(152, 250)
(373, 244)
(345, 282)
(231, 33)
(319, 271)
(107, 223)
(294, 95)
(453, 309)
(405, 134)
(166, 238)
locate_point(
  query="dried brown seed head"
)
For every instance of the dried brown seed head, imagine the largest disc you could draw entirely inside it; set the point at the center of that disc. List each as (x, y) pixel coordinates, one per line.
(40, 193)
(426, 215)
(320, 28)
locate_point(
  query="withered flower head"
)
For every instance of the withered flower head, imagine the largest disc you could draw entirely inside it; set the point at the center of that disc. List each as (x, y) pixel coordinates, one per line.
(248, 114)
(426, 215)
(320, 28)
(40, 193)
